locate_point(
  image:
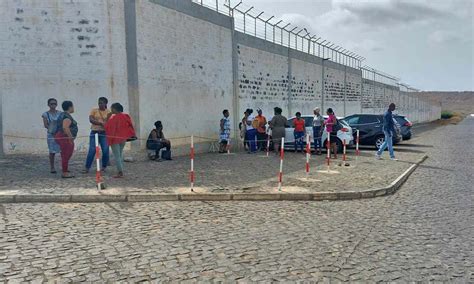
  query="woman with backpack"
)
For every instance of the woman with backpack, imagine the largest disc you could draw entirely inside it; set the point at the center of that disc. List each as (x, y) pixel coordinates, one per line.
(65, 135)
(331, 127)
(50, 121)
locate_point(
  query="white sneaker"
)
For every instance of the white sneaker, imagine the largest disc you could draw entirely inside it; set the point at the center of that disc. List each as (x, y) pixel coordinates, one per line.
(394, 159)
(378, 157)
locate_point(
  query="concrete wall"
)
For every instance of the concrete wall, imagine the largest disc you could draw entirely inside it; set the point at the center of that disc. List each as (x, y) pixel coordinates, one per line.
(184, 70)
(168, 60)
(69, 50)
(263, 80)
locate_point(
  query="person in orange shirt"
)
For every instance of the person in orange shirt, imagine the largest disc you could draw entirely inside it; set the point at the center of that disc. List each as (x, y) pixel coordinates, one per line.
(300, 131)
(261, 122)
(98, 117)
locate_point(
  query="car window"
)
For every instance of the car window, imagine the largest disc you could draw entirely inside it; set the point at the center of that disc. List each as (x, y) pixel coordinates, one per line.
(352, 120)
(400, 120)
(367, 119)
(308, 121)
(343, 122)
(290, 123)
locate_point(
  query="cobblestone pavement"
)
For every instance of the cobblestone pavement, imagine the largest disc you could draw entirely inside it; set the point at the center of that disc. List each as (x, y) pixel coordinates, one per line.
(422, 233)
(238, 172)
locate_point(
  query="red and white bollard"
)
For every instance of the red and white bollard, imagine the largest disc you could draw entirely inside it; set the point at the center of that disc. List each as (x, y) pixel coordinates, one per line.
(268, 145)
(308, 153)
(344, 150)
(98, 178)
(191, 176)
(328, 157)
(282, 154)
(357, 144)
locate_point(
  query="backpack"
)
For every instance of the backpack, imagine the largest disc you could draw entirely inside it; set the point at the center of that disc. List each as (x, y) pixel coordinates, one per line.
(336, 127)
(166, 155)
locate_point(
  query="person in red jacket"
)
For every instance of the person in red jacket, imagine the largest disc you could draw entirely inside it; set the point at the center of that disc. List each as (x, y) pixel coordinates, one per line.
(119, 129)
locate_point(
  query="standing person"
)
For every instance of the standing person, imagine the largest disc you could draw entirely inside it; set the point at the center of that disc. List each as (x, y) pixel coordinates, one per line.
(318, 123)
(224, 135)
(332, 131)
(157, 141)
(251, 133)
(65, 135)
(278, 124)
(299, 131)
(98, 117)
(389, 132)
(243, 131)
(261, 130)
(119, 129)
(50, 122)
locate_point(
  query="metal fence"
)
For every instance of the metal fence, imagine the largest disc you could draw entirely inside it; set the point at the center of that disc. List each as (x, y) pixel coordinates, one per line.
(250, 21)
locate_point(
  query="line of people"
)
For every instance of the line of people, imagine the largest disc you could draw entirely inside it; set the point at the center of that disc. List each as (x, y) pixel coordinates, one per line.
(256, 130)
(113, 127)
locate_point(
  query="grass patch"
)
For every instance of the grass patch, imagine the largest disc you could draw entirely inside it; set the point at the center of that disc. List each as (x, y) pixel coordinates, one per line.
(448, 117)
(445, 114)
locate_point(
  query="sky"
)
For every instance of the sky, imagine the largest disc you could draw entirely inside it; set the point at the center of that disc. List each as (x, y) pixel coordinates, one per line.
(426, 43)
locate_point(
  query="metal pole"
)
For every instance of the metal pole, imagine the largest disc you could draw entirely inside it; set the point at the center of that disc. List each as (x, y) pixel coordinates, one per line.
(282, 29)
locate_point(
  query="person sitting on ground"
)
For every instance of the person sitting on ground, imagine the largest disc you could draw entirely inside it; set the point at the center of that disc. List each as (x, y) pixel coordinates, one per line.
(157, 141)
(225, 132)
(119, 129)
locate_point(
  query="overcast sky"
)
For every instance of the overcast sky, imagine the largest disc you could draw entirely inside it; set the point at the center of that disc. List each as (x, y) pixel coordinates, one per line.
(427, 43)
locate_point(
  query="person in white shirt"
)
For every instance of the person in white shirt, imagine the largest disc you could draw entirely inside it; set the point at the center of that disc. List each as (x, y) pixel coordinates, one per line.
(318, 122)
(251, 131)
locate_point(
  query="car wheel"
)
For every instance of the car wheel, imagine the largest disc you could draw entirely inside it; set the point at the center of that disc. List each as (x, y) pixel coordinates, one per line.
(379, 141)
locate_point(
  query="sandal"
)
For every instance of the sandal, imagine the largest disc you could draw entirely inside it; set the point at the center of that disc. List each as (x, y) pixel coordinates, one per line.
(119, 175)
(67, 176)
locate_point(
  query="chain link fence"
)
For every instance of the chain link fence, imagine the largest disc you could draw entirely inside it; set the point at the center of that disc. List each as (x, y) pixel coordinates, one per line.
(249, 20)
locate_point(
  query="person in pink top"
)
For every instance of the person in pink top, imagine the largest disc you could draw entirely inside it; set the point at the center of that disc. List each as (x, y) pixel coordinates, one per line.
(330, 122)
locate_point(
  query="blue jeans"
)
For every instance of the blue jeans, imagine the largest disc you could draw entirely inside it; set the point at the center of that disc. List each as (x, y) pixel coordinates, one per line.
(317, 137)
(387, 143)
(250, 136)
(299, 137)
(103, 146)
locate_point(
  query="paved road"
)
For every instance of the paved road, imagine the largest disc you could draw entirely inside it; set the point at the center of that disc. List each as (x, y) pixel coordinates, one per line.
(424, 232)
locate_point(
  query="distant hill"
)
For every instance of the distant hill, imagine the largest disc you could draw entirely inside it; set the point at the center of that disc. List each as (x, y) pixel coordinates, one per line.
(462, 102)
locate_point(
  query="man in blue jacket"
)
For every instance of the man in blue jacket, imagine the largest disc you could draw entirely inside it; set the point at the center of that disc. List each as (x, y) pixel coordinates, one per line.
(389, 131)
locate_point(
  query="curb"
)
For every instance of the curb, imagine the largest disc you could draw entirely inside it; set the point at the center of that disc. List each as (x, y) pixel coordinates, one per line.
(317, 196)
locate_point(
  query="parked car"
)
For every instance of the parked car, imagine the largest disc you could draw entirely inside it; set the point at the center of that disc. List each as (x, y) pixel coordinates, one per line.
(405, 126)
(370, 129)
(344, 134)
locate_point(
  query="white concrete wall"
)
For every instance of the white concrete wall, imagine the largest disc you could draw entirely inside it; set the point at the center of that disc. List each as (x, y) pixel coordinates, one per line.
(263, 80)
(367, 97)
(334, 90)
(353, 102)
(68, 50)
(184, 72)
(306, 87)
(75, 50)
